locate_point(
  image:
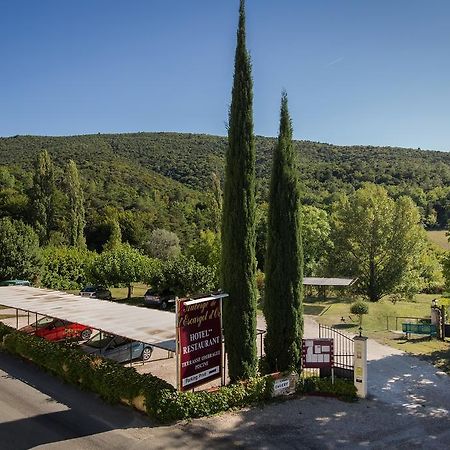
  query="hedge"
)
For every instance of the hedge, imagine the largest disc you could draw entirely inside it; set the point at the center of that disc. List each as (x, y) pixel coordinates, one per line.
(116, 383)
(340, 388)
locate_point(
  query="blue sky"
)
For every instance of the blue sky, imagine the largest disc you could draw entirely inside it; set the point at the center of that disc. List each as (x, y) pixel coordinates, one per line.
(356, 72)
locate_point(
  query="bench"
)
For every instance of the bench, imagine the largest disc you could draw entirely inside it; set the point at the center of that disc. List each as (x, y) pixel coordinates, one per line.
(419, 328)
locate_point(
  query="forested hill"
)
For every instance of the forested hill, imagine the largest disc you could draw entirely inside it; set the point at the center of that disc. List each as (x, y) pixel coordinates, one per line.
(191, 158)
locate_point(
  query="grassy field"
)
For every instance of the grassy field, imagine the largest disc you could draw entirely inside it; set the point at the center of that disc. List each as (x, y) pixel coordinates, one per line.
(380, 324)
(439, 238)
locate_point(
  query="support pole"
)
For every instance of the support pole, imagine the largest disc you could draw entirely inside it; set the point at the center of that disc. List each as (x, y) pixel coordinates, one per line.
(360, 365)
(224, 376)
(28, 312)
(131, 354)
(36, 323)
(17, 319)
(177, 353)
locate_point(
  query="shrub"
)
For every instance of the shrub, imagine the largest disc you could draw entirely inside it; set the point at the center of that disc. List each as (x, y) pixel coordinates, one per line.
(342, 389)
(359, 308)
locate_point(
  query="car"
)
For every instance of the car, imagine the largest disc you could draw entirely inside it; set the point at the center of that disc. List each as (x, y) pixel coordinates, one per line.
(117, 348)
(99, 292)
(15, 283)
(164, 300)
(58, 330)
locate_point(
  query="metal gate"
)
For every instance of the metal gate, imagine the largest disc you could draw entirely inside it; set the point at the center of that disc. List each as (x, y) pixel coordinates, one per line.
(343, 352)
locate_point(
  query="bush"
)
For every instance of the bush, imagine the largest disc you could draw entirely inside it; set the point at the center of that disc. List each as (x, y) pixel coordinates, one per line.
(359, 308)
(342, 389)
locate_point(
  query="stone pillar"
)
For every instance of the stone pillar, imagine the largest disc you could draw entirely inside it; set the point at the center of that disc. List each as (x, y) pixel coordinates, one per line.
(360, 365)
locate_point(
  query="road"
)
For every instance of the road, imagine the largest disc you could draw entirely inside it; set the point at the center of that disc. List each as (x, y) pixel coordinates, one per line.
(408, 409)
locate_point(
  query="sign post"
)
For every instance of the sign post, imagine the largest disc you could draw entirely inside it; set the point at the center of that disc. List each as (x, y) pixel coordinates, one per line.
(199, 340)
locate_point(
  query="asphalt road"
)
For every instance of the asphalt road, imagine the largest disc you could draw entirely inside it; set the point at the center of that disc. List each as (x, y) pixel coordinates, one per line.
(38, 409)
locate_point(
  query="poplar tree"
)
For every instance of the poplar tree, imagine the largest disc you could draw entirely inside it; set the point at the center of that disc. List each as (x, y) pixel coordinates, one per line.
(238, 220)
(77, 217)
(284, 259)
(43, 195)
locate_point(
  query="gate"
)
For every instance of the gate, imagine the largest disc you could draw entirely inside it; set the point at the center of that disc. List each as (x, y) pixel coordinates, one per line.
(343, 352)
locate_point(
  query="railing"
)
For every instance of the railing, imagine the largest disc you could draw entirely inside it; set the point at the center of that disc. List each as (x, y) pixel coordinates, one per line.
(343, 351)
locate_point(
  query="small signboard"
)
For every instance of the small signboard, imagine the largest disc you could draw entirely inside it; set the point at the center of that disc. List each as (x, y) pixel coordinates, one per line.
(317, 353)
(284, 385)
(199, 335)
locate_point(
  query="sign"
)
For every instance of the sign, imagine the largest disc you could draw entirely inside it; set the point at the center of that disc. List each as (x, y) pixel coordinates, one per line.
(317, 353)
(284, 385)
(199, 333)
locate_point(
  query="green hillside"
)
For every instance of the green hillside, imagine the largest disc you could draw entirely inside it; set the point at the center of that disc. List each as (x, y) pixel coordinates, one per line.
(121, 168)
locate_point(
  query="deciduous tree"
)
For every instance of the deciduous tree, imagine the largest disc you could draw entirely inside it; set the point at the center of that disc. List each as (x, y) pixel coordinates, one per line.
(375, 239)
(19, 250)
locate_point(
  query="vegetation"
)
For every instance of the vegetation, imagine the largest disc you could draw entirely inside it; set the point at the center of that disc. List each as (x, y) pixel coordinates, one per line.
(376, 239)
(66, 268)
(122, 265)
(284, 260)
(162, 244)
(340, 388)
(19, 254)
(43, 197)
(238, 221)
(182, 276)
(75, 194)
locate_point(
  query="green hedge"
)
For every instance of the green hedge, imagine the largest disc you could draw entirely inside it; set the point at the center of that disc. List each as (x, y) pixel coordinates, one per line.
(341, 388)
(116, 383)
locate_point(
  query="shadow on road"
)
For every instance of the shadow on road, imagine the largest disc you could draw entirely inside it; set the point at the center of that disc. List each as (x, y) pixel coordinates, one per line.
(82, 414)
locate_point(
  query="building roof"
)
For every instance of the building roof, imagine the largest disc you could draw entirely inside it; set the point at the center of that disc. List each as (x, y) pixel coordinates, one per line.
(316, 281)
(147, 325)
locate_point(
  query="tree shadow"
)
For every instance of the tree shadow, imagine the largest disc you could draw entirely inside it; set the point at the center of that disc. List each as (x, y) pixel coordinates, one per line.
(79, 413)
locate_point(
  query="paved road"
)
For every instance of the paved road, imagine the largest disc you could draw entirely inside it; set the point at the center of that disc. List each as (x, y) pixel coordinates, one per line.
(38, 409)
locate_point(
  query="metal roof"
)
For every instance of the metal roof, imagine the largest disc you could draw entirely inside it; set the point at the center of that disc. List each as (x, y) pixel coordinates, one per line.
(147, 325)
(317, 281)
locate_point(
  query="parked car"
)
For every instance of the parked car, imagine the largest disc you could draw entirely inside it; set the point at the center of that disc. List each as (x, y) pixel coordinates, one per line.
(163, 301)
(15, 283)
(58, 330)
(99, 292)
(117, 348)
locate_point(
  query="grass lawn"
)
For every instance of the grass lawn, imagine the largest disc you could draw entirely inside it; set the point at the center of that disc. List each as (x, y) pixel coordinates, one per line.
(439, 238)
(376, 326)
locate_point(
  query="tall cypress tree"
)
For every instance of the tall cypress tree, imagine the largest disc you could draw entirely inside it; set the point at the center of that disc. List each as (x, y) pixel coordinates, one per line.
(77, 220)
(284, 260)
(238, 220)
(43, 195)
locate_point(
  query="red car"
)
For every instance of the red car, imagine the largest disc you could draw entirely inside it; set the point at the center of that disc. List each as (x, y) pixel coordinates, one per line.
(58, 330)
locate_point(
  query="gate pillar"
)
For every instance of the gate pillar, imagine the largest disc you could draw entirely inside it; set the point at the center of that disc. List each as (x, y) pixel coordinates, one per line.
(360, 363)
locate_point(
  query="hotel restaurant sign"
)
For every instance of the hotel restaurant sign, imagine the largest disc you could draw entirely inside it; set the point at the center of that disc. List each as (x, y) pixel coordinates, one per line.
(199, 340)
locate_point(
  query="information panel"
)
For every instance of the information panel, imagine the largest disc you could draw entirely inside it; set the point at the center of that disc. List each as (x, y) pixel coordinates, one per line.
(199, 342)
(317, 353)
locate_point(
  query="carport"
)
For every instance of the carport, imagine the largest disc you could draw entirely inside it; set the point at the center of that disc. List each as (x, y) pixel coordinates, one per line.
(146, 325)
(323, 283)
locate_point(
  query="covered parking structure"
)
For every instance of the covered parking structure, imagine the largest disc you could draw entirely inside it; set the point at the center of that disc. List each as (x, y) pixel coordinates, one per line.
(322, 283)
(146, 325)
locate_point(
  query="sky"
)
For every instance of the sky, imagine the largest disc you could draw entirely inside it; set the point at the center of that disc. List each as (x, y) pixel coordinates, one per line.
(369, 72)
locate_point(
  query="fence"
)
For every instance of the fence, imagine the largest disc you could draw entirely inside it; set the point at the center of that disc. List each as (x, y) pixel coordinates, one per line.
(343, 352)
